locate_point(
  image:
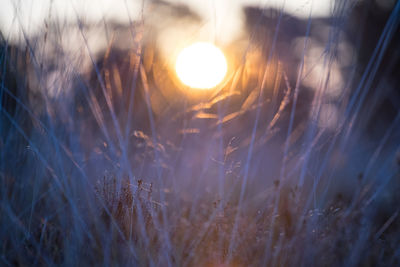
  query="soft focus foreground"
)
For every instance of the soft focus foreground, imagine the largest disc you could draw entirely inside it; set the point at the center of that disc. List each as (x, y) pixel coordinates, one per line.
(107, 159)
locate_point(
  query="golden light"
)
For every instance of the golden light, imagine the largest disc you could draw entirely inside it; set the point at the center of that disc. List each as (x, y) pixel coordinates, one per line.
(201, 66)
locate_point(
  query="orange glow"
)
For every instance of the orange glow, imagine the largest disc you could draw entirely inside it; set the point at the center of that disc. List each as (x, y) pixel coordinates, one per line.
(201, 66)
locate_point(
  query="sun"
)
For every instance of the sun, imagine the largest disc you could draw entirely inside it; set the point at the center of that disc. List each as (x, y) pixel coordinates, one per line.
(201, 66)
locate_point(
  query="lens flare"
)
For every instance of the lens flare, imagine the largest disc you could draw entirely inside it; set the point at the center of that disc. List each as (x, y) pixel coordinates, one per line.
(201, 66)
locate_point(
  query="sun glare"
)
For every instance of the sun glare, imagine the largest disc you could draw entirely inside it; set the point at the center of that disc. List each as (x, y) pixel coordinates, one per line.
(201, 66)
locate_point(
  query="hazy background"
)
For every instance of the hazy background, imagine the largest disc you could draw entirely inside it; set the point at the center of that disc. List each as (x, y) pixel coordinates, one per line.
(223, 18)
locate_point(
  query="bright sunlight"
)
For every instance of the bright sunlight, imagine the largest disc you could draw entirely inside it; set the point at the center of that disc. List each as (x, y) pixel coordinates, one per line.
(201, 66)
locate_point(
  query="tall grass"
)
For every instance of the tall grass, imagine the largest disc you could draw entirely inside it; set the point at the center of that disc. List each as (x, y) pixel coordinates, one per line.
(106, 160)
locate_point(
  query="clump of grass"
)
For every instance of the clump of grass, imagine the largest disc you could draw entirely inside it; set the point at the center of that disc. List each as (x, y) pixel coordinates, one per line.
(250, 175)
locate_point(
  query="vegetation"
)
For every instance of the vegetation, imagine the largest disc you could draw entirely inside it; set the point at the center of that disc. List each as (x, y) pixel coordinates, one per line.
(105, 159)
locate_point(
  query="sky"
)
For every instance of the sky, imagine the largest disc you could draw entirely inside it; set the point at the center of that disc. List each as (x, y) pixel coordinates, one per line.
(221, 17)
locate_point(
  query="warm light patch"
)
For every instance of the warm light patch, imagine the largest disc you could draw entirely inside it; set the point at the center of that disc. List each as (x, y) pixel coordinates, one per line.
(201, 66)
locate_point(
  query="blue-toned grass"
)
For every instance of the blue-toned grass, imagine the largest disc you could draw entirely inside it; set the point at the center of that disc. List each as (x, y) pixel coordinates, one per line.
(105, 161)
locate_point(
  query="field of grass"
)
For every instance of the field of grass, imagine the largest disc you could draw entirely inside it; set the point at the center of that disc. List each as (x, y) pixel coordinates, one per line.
(294, 160)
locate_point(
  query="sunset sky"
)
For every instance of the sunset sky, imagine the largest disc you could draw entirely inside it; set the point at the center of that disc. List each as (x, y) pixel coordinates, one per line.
(222, 18)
